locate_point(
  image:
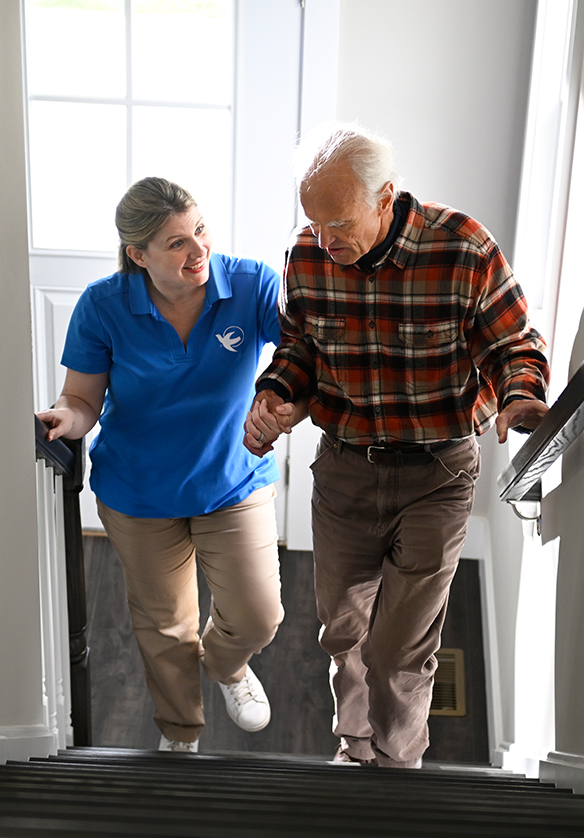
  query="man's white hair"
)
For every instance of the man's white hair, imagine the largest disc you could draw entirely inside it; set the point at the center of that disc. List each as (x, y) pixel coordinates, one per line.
(368, 154)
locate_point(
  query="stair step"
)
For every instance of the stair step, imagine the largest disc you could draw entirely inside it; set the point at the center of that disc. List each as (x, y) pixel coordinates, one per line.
(94, 783)
(176, 776)
(271, 763)
(111, 792)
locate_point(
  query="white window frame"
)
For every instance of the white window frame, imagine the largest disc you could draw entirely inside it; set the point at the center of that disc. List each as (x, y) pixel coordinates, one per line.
(286, 53)
(130, 103)
(547, 166)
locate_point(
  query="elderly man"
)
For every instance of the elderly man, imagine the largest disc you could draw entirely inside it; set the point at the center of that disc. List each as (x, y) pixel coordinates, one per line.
(405, 332)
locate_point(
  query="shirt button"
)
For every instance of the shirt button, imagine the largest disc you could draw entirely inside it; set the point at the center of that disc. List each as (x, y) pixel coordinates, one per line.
(377, 411)
(371, 324)
(374, 365)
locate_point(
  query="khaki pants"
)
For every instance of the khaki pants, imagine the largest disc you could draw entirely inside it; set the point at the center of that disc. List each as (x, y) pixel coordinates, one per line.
(237, 550)
(387, 540)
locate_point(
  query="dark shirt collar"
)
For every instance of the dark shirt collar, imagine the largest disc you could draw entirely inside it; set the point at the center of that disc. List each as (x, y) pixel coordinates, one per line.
(377, 255)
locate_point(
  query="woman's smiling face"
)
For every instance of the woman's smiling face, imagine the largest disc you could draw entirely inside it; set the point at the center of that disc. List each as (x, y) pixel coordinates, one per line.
(177, 257)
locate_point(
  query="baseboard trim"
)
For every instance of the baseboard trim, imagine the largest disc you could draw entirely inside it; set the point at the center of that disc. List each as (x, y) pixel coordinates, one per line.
(499, 755)
(20, 742)
(509, 756)
(564, 770)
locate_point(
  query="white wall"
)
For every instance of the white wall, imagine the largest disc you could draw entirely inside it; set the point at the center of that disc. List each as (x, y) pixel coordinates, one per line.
(22, 730)
(562, 507)
(448, 82)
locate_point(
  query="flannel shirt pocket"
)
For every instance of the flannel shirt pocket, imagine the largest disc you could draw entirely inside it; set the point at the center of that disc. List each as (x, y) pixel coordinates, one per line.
(432, 359)
(325, 329)
(427, 336)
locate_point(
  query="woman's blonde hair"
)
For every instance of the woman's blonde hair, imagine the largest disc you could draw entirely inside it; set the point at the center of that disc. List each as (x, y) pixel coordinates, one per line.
(143, 210)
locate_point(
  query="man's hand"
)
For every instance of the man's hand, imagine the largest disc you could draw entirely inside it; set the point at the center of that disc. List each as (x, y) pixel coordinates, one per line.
(269, 417)
(527, 413)
(263, 425)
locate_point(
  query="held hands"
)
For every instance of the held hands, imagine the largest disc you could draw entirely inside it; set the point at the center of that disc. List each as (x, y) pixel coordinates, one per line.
(269, 417)
(527, 413)
(60, 421)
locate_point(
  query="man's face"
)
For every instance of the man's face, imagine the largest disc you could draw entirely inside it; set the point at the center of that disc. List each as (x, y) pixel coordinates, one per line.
(340, 217)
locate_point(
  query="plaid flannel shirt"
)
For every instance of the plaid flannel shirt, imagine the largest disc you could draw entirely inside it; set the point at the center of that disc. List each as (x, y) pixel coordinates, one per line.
(425, 347)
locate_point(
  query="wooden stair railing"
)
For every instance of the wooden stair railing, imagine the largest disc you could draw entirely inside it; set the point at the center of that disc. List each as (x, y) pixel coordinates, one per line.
(564, 421)
(67, 457)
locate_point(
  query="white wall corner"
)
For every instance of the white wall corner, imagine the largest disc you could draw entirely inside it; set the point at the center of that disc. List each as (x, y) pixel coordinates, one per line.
(499, 754)
(477, 544)
(21, 742)
(510, 757)
(565, 770)
(302, 445)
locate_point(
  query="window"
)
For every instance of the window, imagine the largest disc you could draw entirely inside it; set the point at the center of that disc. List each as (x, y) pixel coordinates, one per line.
(548, 152)
(119, 90)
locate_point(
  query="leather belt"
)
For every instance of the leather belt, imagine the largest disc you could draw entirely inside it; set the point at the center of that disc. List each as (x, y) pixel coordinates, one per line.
(413, 453)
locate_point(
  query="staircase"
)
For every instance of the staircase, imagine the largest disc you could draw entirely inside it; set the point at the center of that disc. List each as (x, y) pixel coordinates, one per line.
(95, 792)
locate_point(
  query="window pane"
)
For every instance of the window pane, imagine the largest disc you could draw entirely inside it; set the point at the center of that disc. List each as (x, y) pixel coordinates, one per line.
(192, 147)
(76, 48)
(78, 174)
(188, 55)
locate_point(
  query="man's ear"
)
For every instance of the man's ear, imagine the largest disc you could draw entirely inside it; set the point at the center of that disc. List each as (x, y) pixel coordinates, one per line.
(135, 255)
(386, 197)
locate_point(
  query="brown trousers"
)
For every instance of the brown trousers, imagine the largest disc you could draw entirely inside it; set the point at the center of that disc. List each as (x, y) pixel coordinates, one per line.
(238, 553)
(387, 540)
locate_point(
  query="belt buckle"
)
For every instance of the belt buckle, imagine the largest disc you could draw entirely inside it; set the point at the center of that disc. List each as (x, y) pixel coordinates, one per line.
(374, 448)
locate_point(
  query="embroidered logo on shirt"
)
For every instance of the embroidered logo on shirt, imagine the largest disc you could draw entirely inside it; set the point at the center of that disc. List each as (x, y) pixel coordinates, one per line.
(232, 338)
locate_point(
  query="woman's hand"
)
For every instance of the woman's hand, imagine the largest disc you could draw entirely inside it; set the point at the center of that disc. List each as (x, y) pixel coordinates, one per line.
(60, 421)
(269, 417)
(78, 407)
(262, 428)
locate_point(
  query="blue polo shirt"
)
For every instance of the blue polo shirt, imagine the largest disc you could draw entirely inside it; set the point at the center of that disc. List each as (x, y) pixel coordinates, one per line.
(170, 443)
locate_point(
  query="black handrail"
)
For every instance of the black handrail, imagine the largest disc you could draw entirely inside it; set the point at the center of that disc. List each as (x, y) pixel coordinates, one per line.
(67, 457)
(557, 431)
(57, 453)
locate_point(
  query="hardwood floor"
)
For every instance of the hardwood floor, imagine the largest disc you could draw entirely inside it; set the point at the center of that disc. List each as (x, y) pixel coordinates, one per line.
(464, 738)
(121, 705)
(293, 669)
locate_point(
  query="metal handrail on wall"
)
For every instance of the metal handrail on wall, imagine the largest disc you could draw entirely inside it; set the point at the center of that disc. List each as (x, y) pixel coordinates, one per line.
(520, 481)
(67, 458)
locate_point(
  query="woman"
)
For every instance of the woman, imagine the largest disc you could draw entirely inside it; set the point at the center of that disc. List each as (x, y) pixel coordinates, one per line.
(168, 347)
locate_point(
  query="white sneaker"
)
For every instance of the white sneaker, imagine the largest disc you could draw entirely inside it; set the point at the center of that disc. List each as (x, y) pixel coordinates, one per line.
(246, 702)
(173, 745)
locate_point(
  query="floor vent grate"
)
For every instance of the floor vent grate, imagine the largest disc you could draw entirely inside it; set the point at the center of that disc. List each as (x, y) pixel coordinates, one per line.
(448, 698)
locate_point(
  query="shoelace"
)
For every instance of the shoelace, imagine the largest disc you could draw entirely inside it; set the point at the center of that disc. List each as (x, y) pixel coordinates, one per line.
(179, 746)
(243, 691)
